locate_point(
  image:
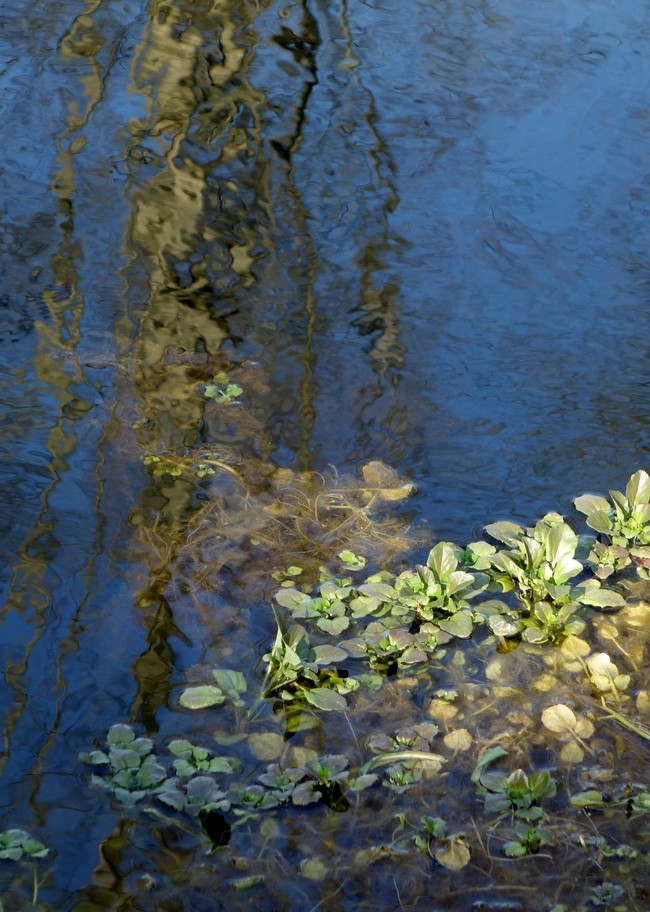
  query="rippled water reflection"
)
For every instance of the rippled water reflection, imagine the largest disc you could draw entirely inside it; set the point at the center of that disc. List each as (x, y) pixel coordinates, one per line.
(418, 229)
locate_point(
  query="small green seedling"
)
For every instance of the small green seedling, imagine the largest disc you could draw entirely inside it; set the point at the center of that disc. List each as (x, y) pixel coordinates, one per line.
(16, 844)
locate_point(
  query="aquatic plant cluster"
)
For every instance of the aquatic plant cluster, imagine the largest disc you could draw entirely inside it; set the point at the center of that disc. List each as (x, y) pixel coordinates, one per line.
(539, 590)
(537, 593)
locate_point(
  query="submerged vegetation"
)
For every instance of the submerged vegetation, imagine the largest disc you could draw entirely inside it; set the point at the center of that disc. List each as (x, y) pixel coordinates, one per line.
(454, 638)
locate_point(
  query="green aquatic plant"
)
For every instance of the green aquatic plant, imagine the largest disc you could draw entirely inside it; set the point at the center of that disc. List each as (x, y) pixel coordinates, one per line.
(347, 633)
(625, 521)
(17, 844)
(550, 623)
(540, 566)
(386, 648)
(327, 608)
(605, 676)
(195, 796)
(517, 793)
(412, 613)
(298, 673)
(230, 686)
(440, 592)
(528, 840)
(192, 760)
(221, 389)
(132, 770)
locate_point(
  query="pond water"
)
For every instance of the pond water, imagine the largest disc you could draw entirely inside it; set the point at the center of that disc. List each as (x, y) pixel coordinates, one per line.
(409, 234)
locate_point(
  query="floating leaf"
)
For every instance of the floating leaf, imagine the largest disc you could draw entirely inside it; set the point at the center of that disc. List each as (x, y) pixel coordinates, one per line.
(459, 624)
(120, 734)
(352, 560)
(327, 655)
(591, 503)
(602, 598)
(231, 682)
(202, 697)
(507, 532)
(503, 626)
(589, 799)
(325, 699)
(95, 757)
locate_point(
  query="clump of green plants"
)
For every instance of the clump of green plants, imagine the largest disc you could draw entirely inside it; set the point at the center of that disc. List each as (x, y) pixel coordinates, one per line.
(221, 389)
(405, 635)
(515, 798)
(540, 566)
(623, 526)
(132, 770)
(298, 673)
(17, 844)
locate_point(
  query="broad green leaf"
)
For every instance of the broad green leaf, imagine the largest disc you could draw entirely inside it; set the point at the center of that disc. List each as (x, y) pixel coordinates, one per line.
(326, 655)
(504, 626)
(181, 748)
(602, 598)
(566, 567)
(292, 598)
(495, 753)
(124, 759)
(642, 802)
(459, 580)
(120, 734)
(325, 699)
(590, 798)
(600, 522)
(642, 513)
(151, 773)
(13, 853)
(184, 768)
(202, 697)
(459, 624)
(591, 503)
(638, 488)
(514, 849)
(129, 798)
(503, 561)
(507, 532)
(352, 560)
(231, 682)
(34, 848)
(621, 503)
(535, 635)
(172, 797)
(381, 591)
(561, 543)
(362, 782)
(333, 625)
(442, 559)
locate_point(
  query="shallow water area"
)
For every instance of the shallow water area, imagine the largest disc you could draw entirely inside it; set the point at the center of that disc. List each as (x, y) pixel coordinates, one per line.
(282, 280)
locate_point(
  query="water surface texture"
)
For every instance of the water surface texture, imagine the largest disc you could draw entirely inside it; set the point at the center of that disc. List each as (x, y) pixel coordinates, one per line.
(415, 232)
